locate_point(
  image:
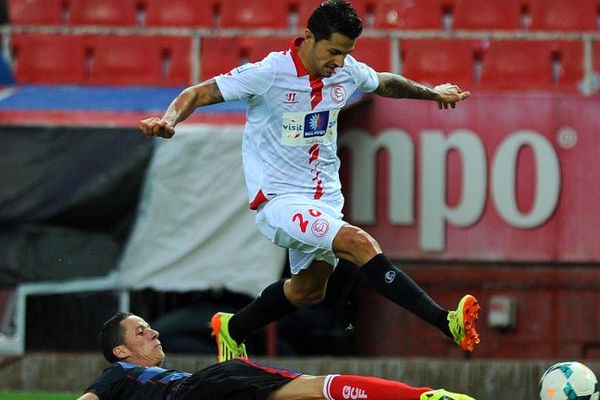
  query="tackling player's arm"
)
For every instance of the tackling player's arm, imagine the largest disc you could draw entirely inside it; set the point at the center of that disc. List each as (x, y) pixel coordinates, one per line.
(181, 107)
(88, 396)
(397, 86)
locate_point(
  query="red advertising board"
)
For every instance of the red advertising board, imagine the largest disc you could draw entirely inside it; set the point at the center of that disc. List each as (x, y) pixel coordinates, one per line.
(503, 177)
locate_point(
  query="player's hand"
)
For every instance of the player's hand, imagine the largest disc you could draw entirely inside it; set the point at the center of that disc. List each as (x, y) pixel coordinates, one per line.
(154, 126)
(449, 94)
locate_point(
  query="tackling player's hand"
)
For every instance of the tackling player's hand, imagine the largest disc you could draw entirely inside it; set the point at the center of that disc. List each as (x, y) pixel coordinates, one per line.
(449, 94)
(154, 126)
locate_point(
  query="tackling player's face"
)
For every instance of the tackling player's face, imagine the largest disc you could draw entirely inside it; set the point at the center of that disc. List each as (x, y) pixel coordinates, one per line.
(326, 55)
(141, 343)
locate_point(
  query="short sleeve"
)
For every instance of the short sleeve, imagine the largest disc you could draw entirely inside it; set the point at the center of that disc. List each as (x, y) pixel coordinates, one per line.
(364, 76)
(105, 383)
(245, 81)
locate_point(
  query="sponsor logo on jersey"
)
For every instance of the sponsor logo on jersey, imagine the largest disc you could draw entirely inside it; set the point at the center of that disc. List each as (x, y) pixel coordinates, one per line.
(293, 125)
(303, 128)
(315, 124)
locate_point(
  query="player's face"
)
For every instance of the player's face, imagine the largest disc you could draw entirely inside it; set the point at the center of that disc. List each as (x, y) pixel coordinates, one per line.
(141, 343)
(328, 54)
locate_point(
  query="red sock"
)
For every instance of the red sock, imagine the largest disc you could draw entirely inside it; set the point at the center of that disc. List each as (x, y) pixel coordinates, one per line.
(352, 387)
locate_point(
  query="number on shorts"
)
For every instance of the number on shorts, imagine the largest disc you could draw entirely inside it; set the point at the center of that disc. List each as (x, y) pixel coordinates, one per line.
(303, 224)
(314, 213)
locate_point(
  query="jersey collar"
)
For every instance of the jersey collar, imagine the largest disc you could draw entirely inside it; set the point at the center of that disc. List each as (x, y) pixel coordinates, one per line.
(300, 68)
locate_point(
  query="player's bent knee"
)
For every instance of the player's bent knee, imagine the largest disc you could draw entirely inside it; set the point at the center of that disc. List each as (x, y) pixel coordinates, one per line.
(355, 245)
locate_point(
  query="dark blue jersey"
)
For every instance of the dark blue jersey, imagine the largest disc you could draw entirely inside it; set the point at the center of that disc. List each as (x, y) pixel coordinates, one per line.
(237, 379)
(123, 380)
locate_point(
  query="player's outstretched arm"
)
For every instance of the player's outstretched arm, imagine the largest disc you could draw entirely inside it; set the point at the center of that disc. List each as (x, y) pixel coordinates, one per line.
(397, 86)
(181, 107)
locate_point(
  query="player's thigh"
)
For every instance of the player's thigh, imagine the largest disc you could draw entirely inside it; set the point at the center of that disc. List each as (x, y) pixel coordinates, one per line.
(304, 387)
(312, 279)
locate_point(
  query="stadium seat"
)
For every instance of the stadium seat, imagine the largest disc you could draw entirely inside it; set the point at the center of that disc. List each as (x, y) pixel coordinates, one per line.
(221, 54)
(104, 12)
(49, 59)
(139, 60)
(535, 65)
(179, 13)
(409, 14)
(233, 51)
(254, 14)
(436, 61)
(375, 52)
(560, 15)
(36, 12)
(487, 14)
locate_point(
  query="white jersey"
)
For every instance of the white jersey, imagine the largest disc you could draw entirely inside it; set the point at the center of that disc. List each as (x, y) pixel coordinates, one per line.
(290, 137)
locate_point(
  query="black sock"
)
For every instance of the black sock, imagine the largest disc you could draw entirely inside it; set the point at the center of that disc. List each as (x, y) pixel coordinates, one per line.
(270, 305)
(398, 287)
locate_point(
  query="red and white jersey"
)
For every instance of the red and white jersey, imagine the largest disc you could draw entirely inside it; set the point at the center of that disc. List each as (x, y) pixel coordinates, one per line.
(290, 137)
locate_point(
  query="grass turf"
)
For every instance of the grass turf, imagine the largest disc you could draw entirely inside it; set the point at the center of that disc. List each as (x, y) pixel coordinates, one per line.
(38, 396)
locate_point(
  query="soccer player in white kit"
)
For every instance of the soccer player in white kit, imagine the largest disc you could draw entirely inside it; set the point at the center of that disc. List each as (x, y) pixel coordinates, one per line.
(291, 170)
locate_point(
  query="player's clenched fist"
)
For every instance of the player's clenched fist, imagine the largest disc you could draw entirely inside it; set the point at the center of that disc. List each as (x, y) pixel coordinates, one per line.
(155, 126)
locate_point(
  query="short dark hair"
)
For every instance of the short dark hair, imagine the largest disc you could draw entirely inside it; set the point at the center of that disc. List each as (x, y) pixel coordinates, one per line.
(112, 335)
(333, 16)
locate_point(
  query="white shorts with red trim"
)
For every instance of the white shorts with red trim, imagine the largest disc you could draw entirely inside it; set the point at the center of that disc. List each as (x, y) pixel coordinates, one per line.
(304, 226)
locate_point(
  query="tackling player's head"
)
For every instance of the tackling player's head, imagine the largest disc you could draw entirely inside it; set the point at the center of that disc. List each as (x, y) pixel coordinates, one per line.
(329, 37)
(112, 335)
(127, 337)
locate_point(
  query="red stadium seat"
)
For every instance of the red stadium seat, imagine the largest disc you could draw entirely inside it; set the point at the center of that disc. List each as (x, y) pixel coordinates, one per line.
(436, 61)
(409, 14)
(104, 12)
(221, 54)
(487, 14)
(49, 59)
(561, 15)
(179, 13)
(254, 14)
(536, 65)
(36, 12)
(139, 60)
(376, 52)
(234, 51)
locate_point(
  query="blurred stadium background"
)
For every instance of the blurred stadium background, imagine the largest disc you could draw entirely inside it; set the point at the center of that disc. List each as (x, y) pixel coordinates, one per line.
(497, 198)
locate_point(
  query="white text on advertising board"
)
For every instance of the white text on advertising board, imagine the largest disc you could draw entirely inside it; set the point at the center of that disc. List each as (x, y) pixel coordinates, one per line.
(434, 212)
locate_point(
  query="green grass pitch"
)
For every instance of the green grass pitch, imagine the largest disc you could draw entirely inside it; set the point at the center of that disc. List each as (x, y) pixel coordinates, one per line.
(38, 396)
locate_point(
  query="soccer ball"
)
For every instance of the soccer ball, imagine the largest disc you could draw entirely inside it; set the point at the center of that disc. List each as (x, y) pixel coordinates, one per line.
(569, 380)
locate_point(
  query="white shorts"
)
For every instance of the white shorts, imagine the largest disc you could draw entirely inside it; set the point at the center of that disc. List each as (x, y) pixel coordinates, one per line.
(304, 226)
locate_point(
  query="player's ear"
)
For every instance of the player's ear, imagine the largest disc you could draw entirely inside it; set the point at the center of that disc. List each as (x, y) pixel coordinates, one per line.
(121, 351)
(308, 35)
